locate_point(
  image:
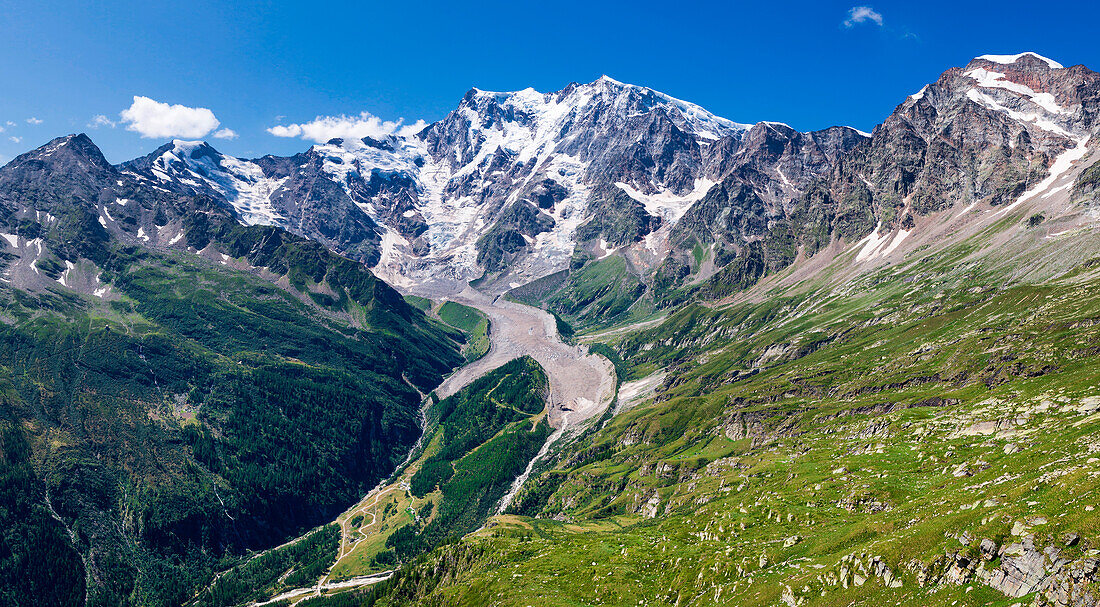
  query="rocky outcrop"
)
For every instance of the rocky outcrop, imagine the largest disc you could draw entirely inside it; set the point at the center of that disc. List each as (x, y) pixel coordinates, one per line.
(616, 218)
(1023, 569)
(318, 208)
(514, 231)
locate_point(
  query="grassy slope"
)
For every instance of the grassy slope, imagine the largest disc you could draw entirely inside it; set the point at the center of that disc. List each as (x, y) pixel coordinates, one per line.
(818, 430)
(472, 322)
(601, 292)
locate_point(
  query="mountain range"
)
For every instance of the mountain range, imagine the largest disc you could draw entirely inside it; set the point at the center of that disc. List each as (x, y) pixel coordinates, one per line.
(511, 186)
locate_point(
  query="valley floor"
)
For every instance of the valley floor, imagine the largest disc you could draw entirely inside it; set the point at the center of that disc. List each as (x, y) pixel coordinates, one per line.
(582, 386)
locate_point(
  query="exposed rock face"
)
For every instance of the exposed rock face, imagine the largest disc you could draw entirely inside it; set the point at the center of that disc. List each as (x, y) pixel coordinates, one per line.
(981, 133)
(57, 192)
(1023, 570)
(295, 193)
(320, 209)
(649, 509)
(520, 223)
(446, 198)
(67, 201)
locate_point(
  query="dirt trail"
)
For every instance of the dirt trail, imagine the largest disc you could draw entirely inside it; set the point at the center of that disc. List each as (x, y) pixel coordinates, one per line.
(581, 384)
(304, 593)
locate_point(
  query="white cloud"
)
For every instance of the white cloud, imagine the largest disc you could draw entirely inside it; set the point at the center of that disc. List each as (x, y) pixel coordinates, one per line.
(100, 120)
(1, 129)
(285, 131)
(863, 14)
(226, 134)
(15, 139)
(157, 120)
(324, 128)
(33, 120)
(10, 123)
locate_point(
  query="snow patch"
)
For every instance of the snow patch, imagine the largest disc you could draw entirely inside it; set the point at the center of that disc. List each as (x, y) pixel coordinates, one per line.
(1010, 59)
(1040, 121)
(12, 239)
(65, 275)
(871, 242)
(1062, 163)
(606, 251)
(37, 242)
(900, 236)
(988, 79)
(1065, 186)
(668, 206)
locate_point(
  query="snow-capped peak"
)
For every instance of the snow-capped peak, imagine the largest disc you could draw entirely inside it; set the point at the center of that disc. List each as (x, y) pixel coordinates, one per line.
(706, 124)
(1010, 59)
(628, 99)
(188, 146)
(198, 165)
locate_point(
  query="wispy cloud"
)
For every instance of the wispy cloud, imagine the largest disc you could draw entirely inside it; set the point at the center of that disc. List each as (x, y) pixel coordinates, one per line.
(324, 128)
(100, 120)
(14, 139)
(157, 120)
(862, 14)
(226, 134)
(10, 123)
(33, 120)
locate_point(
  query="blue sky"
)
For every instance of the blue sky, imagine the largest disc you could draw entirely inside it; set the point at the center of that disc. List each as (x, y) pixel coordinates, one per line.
(256, 65)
